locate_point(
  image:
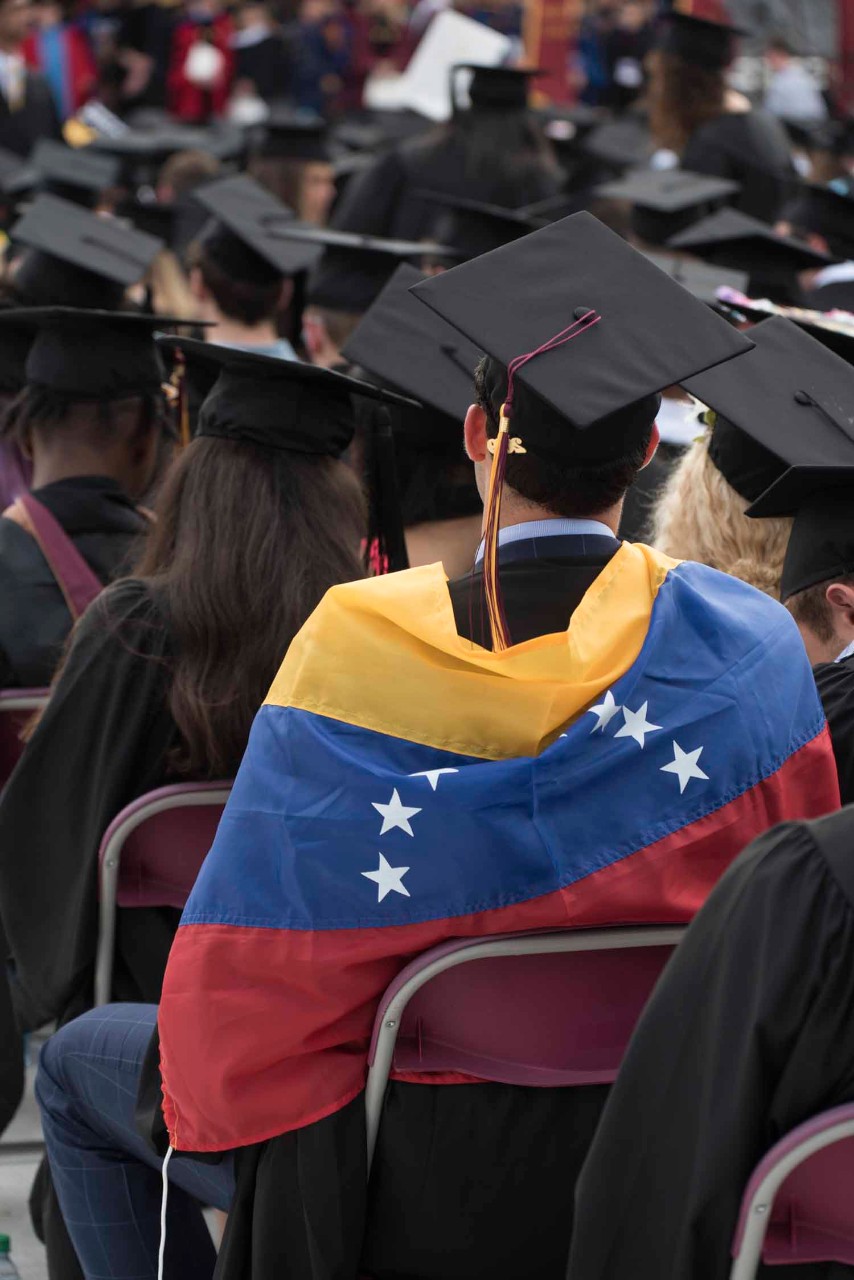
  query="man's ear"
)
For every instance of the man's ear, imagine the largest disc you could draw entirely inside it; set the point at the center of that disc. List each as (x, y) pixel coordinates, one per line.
(840, 597)
(475, 433)
(652, 447)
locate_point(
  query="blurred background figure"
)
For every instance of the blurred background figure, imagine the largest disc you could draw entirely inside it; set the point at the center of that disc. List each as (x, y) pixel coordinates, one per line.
(60, 50)
(792, 93)
(324, 51)
(27, 109)
(202, 62)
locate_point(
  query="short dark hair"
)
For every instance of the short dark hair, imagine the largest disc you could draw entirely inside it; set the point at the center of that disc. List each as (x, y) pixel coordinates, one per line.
(249, 303)
(811, 608)
(37, 408)
(561, 489)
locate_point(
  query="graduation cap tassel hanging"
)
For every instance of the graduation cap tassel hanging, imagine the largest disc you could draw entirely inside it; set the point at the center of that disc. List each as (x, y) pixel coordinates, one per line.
(386, 545)
(179, 382)
(500, 447)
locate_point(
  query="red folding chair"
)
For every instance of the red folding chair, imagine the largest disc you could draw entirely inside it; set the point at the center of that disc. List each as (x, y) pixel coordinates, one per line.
(799, 1203)
(539, 1009)
(150, 856)
(16, 707)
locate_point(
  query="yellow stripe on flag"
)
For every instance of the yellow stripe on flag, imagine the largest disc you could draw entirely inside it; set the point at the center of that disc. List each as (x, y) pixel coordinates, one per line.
(384, 654)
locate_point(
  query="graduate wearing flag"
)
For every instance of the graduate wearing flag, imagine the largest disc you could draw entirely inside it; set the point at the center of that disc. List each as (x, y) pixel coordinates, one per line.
(439, 761)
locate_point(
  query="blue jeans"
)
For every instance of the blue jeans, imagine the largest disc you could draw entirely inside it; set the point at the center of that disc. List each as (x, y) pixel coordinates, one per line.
(107, 1179)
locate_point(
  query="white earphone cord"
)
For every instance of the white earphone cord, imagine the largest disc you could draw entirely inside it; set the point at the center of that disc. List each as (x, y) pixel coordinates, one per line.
(161, 1255)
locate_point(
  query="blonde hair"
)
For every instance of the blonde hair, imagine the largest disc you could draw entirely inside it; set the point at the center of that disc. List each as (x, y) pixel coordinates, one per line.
(699, 516)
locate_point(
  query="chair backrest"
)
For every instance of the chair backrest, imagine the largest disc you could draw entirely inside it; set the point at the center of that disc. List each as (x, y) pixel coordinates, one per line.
(150, 856)
(799, 1203)
(541, 1009)
(16, 707)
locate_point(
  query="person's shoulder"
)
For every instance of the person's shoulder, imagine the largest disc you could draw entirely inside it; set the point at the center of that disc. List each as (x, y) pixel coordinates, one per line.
(832, 839)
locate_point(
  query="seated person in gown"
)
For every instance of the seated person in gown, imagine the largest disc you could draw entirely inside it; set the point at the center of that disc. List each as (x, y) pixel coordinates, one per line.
(160, 684)
(818, 589)
(438, 762)
(747, 1035)
(90, 418)
(712, 129)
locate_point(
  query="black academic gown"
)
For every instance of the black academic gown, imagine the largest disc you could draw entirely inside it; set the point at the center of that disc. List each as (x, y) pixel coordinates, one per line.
(102, 742)
(387, 199)
(749, 1033)
(104, 526)
(36, 118)
(835, 682)
(269, 64)
(470, 1182)
(752, 148)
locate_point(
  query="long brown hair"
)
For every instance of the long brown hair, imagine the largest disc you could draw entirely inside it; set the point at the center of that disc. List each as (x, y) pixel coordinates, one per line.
(246, 542)
(682, 97)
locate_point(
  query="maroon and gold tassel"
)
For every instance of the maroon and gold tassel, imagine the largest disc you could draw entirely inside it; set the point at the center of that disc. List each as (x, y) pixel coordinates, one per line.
(491, 525)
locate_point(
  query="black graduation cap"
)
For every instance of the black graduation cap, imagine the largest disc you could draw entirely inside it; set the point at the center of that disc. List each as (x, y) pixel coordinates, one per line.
(553, 208)
(821, 544)
(730, 238)
(698, 40)
(637, 331)
(496, 88)
(14, 349)
(825, 212)
(700, 279)
(788, 401)
(246, 240)
(415, 351)
(289, 135)
(355, 267)
(275, 403)
(88, 354)
(474, 227)
(836, 335)
(619, 144)
(668, 201)
(76, 173)
(78, 258)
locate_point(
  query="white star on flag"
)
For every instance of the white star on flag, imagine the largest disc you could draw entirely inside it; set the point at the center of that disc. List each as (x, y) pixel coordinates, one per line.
(637, 726)
(433, 775)
(684, 765)
(388, 879)
(396, 814)
(605, 711)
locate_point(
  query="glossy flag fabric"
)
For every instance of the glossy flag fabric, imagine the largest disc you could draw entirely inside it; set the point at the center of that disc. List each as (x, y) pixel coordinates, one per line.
(403, 786)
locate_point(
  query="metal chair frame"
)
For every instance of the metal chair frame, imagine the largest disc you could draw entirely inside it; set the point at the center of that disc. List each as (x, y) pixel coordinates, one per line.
(757, 1215)
(391, 1010)
(115, 838)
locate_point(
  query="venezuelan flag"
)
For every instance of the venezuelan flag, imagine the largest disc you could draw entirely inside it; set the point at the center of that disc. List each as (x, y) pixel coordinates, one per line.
(403, 786)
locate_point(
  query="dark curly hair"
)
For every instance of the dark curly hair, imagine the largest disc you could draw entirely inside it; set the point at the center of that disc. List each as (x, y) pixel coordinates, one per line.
(682, 97)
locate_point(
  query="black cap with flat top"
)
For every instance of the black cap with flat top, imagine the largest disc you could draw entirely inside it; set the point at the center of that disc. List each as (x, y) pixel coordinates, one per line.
(789, 401)
(291, 136)
(497, 88)
(698, 40)
(635, 331)
(822, 211)
(821, 544)
(355, 268)
(699, 278)
(417, 352)
(474, 227)
(247, 239)
(78, 258)
(665, 202)
(730, 238)
(76, 173)
(619, 144)
(90, 355)
(275, 403)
